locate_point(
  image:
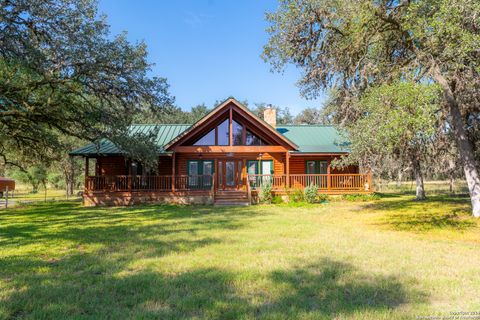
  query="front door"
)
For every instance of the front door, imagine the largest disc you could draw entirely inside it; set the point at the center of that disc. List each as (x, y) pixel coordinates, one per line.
(230, 174)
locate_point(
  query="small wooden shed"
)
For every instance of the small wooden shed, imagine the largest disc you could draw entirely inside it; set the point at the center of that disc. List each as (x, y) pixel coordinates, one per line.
(4, 183)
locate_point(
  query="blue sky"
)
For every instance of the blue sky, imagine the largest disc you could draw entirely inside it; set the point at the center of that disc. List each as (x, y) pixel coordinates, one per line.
(208, 49)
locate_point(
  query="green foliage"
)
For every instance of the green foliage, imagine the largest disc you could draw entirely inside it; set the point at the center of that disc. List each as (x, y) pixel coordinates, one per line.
(353, 44)
(35, 176)
(397, 119)
(350, 47)
(310, 193)
(309, 116)
(283, 114)
(265, 192)
(296, 195)
(322, 197)
(277, 200)
(62, 73)
(360, 197)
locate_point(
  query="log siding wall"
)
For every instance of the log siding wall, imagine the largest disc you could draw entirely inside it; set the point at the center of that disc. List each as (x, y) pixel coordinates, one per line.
(117, 165)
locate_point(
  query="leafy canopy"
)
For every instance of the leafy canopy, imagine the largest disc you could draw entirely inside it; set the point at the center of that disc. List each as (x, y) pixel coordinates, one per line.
(398, 120)
(351, 45)
(61, 73)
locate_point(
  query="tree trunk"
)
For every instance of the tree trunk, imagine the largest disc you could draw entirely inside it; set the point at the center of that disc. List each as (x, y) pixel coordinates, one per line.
(69, 175)
(465, 147)
(451, 173)
(399, 177)
(417, 170)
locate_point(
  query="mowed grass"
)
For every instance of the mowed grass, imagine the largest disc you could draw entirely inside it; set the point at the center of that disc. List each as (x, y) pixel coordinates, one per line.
(392, 258)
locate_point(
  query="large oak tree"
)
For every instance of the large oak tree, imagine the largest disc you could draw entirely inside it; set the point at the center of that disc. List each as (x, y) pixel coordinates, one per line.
(351, 45)
(62, 73)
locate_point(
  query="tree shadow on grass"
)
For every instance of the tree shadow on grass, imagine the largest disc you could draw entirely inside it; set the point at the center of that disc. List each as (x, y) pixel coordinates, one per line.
(333, 288)
(76, 288)
(69, 221)
(437, 212)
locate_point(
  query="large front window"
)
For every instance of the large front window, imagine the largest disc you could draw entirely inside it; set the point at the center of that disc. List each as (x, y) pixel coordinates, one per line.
(220, 136)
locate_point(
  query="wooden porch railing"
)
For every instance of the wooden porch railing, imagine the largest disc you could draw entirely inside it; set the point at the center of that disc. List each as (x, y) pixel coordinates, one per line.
(277, 181)
(325, 182)
(148, 183)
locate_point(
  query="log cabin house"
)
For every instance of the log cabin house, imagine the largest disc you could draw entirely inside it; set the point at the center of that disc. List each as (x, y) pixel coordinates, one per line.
(224, 158)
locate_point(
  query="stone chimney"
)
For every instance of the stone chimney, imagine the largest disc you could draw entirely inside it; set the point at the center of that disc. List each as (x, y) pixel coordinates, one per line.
(270, 116)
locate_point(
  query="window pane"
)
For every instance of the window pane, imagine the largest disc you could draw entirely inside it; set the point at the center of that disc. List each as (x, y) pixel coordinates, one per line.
(323, 167)
(229, 173)
(193, 173)
(267, 167)
(237, 129)
(193, 168)
(207, 171)
(252, 167)
(223, 133)
(207, 167)
(251, 170)
(206, 140)
(311, 167)
(239, 172)
(253, 140)
(220, 173)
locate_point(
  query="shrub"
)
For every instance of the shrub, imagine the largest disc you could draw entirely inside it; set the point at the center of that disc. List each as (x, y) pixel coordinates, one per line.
(277, 200)
(322, 197)
(265, 193)
(296, 196)
(310, 193)
(360, 197)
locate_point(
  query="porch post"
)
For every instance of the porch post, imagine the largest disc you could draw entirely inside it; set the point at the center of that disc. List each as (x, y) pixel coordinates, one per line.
(87, 161)
(328, 175)
(287, 161)
(130, 178)
(173, 172)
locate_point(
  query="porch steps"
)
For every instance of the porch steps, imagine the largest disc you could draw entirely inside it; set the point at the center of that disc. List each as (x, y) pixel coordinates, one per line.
(231, 198)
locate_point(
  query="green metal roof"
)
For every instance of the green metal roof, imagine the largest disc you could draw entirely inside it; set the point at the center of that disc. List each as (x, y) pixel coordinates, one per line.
(315, 138)
(309, 138)
(166, 133)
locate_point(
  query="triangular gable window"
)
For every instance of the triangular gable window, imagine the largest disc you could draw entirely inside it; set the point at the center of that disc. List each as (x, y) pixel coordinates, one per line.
(218, 137)
(230, 124)
(241, 136)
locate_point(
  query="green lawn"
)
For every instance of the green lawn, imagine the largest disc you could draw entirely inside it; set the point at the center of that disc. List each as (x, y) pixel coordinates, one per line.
(389, 258)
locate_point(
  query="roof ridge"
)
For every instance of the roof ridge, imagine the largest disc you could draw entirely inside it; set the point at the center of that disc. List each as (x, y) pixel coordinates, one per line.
(161, 124)
(306, 125)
